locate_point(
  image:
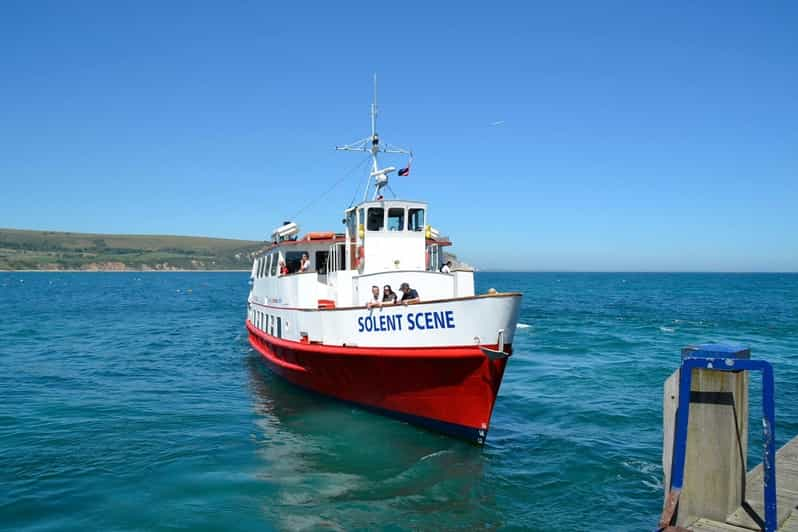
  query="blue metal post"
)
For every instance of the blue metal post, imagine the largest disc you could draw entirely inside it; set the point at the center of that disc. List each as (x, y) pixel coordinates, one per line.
(722, 357)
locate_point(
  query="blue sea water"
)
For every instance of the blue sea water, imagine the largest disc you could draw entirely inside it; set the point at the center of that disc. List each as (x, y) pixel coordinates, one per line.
(132, 401)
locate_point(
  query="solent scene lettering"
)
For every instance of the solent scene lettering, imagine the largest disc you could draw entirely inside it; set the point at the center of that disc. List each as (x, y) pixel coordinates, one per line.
(414, 321)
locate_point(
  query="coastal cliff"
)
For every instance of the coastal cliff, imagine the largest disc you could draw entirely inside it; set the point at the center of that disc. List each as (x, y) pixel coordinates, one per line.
(57, 251)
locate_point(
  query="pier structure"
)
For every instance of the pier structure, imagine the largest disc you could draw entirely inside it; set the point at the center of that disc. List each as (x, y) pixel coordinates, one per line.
(705, 448)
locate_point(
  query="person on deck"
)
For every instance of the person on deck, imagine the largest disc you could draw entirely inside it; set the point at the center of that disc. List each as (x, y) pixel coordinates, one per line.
(375, 297)
(409, 295)
(304, 266)
(388, 295)
(447, 267)
(283, 268)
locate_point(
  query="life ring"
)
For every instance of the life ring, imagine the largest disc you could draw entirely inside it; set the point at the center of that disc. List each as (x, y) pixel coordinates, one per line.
(359, 256)
(321, 235)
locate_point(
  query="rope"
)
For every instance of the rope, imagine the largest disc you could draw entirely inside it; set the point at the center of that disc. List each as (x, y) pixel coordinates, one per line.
(357, 188)
(330, 189)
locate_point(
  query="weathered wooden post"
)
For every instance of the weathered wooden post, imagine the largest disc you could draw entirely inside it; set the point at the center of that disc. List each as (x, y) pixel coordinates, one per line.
(714, 457)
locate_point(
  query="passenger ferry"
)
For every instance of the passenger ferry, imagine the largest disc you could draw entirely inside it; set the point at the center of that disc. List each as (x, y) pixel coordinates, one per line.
(435, 359)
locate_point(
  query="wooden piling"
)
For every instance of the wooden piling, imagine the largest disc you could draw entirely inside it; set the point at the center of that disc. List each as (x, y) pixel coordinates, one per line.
(715, 494)
(717, 443)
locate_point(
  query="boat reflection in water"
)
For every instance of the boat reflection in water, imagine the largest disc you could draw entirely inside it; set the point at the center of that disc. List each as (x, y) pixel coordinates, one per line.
(334, 466)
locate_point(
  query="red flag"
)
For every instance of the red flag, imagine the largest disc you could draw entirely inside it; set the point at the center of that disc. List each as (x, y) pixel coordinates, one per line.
(406, 170)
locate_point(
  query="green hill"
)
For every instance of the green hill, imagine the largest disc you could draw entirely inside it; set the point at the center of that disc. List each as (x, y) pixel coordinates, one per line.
(50, 250)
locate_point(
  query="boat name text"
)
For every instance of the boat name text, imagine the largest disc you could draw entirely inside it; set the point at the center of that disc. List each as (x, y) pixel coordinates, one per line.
(412, 321)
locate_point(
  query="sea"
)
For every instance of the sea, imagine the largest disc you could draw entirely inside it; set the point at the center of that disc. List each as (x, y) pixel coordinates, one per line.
(132, 401)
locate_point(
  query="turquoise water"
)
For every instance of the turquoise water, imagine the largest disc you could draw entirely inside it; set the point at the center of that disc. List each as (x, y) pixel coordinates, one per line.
(132, 401)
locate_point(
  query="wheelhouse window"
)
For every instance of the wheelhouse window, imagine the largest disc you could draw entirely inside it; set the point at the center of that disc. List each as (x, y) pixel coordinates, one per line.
(396, 219)
(376, 219)
(415, 220)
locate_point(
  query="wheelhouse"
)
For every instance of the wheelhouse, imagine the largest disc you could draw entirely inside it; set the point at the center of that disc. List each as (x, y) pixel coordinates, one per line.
(386, 235)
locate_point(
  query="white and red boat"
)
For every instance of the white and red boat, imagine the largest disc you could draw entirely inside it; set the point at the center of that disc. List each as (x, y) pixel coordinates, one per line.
(437, 362)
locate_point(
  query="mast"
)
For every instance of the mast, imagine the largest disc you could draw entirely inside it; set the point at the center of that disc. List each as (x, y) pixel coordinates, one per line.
(372, 145)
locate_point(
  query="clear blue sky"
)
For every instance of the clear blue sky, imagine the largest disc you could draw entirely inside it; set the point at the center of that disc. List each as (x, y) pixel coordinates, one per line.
(633, 136)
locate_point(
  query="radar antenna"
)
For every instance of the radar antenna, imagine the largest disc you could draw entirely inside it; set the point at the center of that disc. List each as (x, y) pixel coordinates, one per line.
(372, 145)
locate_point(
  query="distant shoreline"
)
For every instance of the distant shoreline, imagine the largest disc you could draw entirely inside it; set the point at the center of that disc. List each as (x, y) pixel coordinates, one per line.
(552, 272)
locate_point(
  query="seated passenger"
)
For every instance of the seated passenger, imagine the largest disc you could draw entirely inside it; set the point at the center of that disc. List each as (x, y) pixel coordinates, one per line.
(304, 265)
(447, 267)
(388, 295)
(375, 297)
(409, 295)
(283, 268)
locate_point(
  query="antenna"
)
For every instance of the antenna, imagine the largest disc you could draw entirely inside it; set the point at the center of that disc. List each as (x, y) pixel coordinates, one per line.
(374, 109)
(372, 145)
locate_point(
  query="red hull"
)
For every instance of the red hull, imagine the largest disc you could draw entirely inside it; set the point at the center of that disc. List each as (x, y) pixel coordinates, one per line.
(449, 389)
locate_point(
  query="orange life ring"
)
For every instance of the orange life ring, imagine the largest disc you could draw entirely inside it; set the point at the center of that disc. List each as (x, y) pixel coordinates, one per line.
(321, 235)
(358, 258)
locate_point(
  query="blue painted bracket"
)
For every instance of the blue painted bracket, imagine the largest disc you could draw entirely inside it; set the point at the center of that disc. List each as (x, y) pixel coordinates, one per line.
(721, 357)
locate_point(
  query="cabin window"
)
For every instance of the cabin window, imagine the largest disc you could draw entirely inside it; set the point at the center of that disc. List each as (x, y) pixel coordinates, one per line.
(293, 260)
(321, 261)
(341, 256)
(279, 328)
(396, 219)
(434, 252)
(262, 262)
(268, 266)
(376, 219)
(275, 260)
(415, 220)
